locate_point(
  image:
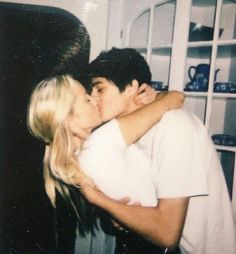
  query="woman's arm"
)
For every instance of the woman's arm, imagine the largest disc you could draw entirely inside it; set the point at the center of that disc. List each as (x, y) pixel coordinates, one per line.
(134, 125)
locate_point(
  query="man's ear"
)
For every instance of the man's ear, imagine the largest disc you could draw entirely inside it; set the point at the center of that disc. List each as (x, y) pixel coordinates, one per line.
(132, 88)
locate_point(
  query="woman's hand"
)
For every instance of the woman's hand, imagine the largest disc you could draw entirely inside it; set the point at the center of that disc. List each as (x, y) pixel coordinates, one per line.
(146, 94)
(124, 201)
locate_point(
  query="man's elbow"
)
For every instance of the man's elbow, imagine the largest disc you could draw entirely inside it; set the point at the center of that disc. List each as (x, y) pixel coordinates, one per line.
(169, 240)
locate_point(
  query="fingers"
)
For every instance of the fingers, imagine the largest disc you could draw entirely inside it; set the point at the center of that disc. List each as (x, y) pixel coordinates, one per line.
(142, 99)
(136, 204)
(146, 94)
(125, 200)
(142, 88)
(116, 225)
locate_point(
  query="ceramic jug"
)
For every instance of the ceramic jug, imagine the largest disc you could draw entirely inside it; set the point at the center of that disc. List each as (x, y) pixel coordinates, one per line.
(199, 75)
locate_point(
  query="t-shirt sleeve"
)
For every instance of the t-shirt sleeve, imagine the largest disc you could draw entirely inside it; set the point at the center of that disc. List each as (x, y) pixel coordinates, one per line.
(182, 170)
(106, 137)
(102, 158)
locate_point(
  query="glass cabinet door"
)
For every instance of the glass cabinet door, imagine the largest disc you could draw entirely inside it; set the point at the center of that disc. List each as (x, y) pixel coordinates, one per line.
(139, 31)
(151, 33)
(161, 43)
(190, 46)
(222, 119)
(198, 56)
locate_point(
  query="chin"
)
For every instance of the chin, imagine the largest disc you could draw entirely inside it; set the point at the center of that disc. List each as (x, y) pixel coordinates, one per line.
(99, 122)
(106, 118)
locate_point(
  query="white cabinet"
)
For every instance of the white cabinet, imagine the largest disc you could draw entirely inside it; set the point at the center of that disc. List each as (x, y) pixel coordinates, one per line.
(169, 34)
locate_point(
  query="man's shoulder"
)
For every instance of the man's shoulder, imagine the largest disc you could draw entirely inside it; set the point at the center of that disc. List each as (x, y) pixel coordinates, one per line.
(175, 122)
(176, 114)
(170, 118)
(178, 117)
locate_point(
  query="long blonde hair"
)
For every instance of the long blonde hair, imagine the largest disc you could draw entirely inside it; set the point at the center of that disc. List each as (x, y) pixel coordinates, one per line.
(49, 106)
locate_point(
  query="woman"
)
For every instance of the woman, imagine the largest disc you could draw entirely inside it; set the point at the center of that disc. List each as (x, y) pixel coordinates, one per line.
(59, 102)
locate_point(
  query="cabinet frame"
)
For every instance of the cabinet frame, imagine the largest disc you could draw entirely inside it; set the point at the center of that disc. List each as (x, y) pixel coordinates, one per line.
(179, 46)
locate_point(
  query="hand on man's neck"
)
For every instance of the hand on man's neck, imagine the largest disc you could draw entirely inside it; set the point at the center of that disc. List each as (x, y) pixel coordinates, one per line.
(131, 108)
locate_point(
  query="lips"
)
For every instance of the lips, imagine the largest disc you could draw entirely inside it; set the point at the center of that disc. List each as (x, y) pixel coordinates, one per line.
(99, 108)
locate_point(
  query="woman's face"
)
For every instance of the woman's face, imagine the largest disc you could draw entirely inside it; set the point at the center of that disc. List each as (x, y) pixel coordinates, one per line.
(85, 111)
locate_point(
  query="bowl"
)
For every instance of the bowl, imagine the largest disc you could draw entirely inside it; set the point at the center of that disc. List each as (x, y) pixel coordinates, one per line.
(195, 86)
(224, 140)
(198, 32)
(224, 87)
(158, 86)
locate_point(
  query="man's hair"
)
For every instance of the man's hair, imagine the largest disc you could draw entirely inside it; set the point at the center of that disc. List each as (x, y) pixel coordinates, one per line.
(121, 66)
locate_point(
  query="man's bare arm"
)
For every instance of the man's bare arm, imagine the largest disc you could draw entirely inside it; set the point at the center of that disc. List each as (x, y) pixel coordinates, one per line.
(161, 225)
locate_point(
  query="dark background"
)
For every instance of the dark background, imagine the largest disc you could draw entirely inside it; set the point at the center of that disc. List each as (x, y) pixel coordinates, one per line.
(32, 41)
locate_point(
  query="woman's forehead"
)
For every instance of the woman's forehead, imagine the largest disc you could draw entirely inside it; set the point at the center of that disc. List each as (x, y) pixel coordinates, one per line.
(78, 87)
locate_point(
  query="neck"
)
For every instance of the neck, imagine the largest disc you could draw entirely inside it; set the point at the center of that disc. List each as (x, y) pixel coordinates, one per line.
(131, 107)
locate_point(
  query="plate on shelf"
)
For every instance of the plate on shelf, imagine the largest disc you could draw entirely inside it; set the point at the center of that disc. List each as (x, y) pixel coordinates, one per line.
(159, 86)
(224, 140)
(195, 87)
(224, 87)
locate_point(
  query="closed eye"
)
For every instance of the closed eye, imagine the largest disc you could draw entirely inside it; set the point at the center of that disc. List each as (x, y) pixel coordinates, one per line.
(100, 90)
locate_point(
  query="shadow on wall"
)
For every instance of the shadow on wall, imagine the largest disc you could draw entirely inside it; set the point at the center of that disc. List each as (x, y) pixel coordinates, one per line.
(35, 42)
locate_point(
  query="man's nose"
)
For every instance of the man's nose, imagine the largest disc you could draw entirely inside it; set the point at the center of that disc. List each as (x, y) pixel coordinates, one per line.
(94, 100)
(94, 92)
(95, 95)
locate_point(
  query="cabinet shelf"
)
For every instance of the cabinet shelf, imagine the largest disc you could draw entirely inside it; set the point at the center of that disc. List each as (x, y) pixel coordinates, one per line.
(197, 94)
(162, 35)
(226, 42)
(219, 42)
(224, 95)
(205, 94)
(196, 44)
(226, 148)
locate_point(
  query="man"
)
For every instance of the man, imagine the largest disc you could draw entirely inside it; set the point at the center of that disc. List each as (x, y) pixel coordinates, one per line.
(194, 209)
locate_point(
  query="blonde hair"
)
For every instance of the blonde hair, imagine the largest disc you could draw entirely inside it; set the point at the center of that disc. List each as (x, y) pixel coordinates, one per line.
(49, 106)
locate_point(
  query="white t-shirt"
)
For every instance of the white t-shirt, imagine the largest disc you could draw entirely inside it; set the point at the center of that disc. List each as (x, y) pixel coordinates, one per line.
(185, 163)
(117, 169)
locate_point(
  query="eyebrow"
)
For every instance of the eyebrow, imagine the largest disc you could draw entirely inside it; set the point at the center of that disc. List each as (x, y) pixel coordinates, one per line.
(96, 83)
